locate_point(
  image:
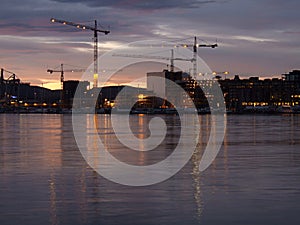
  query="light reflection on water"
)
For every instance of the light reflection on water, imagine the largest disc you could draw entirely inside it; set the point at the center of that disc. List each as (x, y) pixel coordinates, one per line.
(254, 180)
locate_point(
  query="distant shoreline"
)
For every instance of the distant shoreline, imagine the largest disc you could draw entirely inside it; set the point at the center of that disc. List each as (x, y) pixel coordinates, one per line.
(142, 111)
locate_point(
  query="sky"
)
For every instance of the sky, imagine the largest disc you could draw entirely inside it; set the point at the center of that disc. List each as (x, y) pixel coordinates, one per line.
(255, 37)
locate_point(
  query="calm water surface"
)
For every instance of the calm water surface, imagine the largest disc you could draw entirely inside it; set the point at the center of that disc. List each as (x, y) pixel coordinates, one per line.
(254, 180)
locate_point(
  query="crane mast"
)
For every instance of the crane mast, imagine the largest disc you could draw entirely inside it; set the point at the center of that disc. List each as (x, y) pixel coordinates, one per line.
(195, 53)
(95, 30)
(95, 56)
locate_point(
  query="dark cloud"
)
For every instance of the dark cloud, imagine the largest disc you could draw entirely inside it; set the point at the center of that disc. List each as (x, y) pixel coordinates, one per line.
(142, 4)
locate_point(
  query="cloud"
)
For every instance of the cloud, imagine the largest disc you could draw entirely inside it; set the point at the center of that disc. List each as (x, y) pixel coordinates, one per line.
(253, 39)
(142, 4)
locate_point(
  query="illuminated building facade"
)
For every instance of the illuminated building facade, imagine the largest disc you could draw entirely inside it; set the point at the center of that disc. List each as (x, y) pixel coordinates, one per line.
(269, 93)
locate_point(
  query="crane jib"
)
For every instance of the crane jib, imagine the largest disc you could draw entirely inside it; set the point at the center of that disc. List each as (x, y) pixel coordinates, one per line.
(84, 27)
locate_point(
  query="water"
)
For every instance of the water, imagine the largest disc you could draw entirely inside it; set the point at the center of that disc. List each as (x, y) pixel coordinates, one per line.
(254, 180)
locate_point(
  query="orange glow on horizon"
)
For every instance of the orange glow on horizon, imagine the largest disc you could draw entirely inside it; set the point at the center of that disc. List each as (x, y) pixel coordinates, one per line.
(57, 85)
(52, 86)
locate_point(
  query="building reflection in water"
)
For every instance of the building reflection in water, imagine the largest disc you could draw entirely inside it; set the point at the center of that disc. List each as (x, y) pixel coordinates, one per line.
(92, 193)
(56, 157)
(139, 127)
(44, 178)
(31, 152)
(196, 174)
(206, 130)
(53, 200)
(64, 177)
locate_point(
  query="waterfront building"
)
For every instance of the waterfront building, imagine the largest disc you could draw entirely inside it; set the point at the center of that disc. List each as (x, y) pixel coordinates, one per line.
(69, 89)
(168, 91)
(239, 94)
(248, 94)
(268, 93)
(15, 94)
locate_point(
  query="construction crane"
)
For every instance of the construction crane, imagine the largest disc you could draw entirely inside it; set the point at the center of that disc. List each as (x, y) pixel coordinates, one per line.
(86, 27)
(195, 47)
(12, 84)
(62, 71)
(172, 59)
(12, 77)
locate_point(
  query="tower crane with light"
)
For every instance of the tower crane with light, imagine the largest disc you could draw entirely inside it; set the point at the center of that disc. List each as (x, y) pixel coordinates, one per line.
(176, 44)
(195, 47)
(95, 30)
(62, 71)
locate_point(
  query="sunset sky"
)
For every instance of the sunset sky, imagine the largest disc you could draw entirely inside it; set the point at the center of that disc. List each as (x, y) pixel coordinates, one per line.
(255, 37)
